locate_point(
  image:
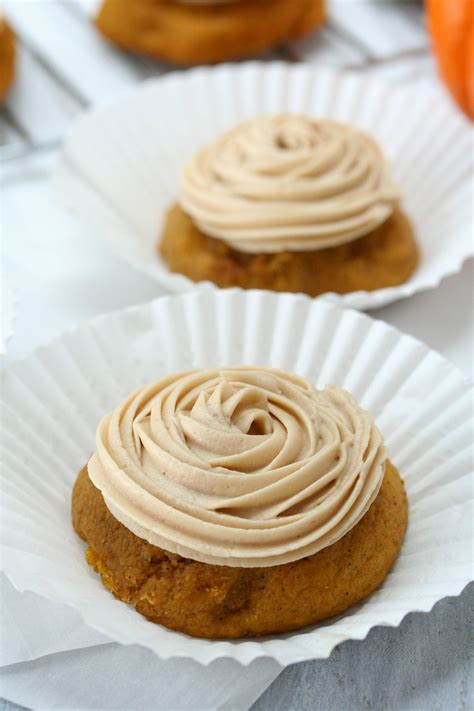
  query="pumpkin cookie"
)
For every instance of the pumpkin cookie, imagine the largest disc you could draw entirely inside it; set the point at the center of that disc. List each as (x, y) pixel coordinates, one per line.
(290, 203)
(239, 502)
(186, 32)
(7, 57)
(387, 256)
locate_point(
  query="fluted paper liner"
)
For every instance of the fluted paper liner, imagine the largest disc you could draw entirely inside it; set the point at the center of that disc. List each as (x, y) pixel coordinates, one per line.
(120, 167)
(54, 399)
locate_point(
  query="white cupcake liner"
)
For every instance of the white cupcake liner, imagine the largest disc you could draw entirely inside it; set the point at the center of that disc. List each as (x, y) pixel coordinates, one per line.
(120, 166)
(54, 399)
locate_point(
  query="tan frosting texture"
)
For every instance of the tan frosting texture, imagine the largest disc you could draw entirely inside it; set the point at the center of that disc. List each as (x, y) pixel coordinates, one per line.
(242, 466)
(288, 182)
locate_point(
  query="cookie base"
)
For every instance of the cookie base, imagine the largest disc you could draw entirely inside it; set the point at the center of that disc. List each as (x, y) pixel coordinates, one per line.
(219, 602)
(385, 257)
(187, 35)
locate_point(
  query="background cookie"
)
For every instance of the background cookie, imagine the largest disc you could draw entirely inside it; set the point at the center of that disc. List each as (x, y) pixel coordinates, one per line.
(187, 35)
(7, 57)
(385, 257)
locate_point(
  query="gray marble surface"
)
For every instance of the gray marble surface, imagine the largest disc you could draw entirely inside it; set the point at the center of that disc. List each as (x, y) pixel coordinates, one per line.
(423, 665)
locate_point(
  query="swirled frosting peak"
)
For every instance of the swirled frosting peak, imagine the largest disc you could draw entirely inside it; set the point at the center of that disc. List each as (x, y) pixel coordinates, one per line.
(288, 182)
(240, 466)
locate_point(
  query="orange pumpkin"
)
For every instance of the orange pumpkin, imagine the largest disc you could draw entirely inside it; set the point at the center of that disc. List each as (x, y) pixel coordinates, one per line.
(451, 25)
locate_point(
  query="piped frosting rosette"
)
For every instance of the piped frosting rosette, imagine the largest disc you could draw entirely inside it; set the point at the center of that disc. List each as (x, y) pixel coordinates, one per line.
(288, 182)
(243, 466)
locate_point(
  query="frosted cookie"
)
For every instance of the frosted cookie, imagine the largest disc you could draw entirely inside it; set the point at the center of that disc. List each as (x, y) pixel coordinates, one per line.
(290, 203)
(239, 501)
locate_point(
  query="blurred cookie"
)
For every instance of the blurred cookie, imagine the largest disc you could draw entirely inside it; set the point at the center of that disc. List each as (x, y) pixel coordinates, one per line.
(386, 256)
(7, 57)
(290, 203)
(186, 32)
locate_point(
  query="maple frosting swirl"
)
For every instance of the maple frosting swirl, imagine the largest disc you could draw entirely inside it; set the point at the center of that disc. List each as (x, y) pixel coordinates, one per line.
(242, 466)
(288, 182)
